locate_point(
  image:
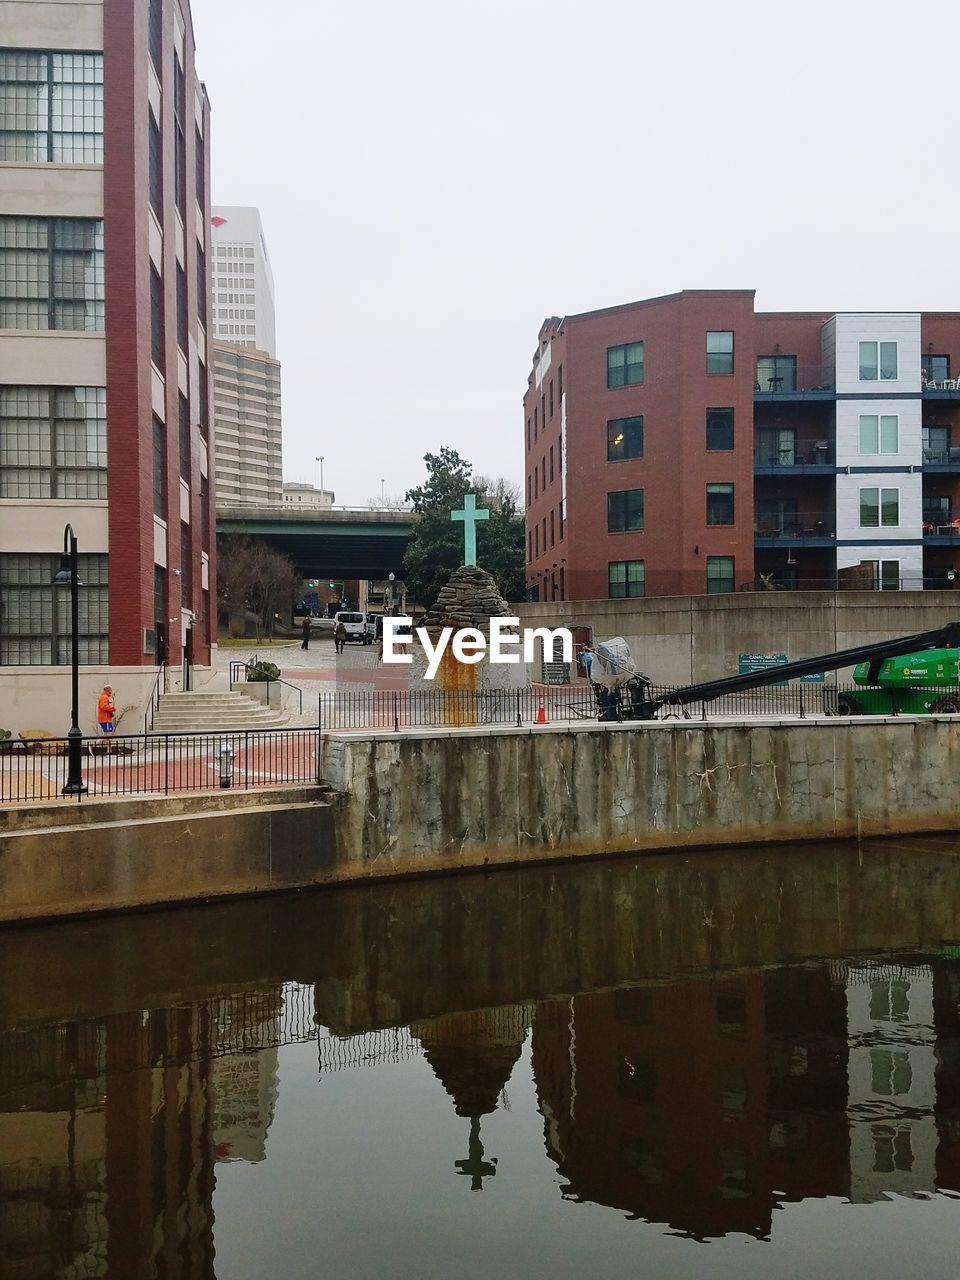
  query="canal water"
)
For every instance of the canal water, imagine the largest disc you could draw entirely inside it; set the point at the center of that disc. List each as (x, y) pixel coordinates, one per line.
(724, 1065)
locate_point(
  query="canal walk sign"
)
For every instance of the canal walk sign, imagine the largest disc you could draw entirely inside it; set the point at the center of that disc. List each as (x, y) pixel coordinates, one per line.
(749, 662)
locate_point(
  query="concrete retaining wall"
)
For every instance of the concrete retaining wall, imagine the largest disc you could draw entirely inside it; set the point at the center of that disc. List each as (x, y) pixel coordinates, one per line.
(440, 800)
(682, 639)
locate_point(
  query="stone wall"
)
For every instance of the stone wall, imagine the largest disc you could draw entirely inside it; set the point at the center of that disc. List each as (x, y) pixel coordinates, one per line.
(441, 800)
(685, 639)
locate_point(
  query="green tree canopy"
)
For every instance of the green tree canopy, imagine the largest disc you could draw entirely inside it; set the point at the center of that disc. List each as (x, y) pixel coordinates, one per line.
(435, 548)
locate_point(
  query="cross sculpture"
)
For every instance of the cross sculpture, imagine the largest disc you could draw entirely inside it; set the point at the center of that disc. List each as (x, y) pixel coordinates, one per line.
(470, 515)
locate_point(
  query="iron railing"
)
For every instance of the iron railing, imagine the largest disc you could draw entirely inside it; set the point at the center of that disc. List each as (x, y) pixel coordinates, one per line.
(153, 706)
(566, 704)
(160, 763)
(237, 665)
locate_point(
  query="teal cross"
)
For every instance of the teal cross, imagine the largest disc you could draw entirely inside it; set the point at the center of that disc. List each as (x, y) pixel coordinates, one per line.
(470, 515)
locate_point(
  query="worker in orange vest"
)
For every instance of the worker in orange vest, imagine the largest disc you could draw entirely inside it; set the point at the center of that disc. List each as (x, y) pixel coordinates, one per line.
(106, 710)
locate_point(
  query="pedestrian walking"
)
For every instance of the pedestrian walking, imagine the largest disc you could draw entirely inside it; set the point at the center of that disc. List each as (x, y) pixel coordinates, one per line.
(306, 625)
(106, 710)
(340, 637)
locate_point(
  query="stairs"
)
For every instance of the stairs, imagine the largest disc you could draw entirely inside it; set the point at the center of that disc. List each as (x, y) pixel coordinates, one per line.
(210, 712)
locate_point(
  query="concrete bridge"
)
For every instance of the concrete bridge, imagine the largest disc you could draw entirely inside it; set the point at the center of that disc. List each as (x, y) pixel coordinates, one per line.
(335, 542)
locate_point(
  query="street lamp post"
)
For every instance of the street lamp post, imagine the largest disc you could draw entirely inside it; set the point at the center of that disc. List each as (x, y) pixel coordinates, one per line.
(68, 575)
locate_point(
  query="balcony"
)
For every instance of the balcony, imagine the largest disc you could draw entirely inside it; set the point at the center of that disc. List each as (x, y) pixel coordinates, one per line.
(812, 460)
(816, 529)
(781, 379)
(939, 461)
(941, 535)
(941, 389)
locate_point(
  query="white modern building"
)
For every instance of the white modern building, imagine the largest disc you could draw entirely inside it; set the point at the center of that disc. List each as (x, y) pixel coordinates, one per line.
(243, 299)
(307, 496)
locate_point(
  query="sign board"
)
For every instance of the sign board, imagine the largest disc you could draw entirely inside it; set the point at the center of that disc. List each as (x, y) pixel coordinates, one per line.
(556, 673)
(748, 662)
(149, 640)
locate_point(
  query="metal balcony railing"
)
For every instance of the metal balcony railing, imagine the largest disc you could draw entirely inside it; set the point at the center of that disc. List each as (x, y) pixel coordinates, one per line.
(821, 524)
(783, 378)
(801, 454)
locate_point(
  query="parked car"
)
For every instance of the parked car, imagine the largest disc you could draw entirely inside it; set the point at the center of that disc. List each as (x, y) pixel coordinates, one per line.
(355, 625)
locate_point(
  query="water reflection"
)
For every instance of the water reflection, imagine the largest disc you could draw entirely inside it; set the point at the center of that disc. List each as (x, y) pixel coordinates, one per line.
(684, 1080)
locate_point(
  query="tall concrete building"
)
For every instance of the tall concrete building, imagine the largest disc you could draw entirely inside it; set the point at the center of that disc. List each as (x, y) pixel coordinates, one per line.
(247, 417)
(688, 444)
(244, 311)
(104, 390)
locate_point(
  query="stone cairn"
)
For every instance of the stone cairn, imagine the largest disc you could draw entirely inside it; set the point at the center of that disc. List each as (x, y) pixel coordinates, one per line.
(469, 599)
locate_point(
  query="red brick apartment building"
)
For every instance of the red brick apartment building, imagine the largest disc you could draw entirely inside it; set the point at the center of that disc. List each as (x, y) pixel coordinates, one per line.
(688, 444)
(105, 396)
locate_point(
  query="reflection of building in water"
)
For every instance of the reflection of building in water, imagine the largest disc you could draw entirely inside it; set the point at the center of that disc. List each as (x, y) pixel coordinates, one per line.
(244, 1085)
(703, 1103)
(473, 1056)
(654, 1101)
(892, 1088)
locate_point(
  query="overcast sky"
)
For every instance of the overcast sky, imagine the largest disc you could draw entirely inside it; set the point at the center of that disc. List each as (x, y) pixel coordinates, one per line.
(435, 178)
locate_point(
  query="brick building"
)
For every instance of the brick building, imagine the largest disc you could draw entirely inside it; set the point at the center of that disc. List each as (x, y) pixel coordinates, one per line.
(104, 386)
(688, 444)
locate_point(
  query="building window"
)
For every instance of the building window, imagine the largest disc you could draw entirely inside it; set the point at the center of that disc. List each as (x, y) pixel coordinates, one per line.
(720, 351)
(719, 504)
(776, 373)
(160, 597)
(551, 397)
(202, 286)
(536, 540)
(624, 510)
(35, 615)
(625, 578)
(204, 514)
(155, 35)
(201, 169)
(51, 107)
(203, 396)
(529, 546)
(159, 469)
(181, 309)
(551, 464)
(886, 574)
(720, 575)
(936, 444)
(528, 435)
(878, 361)
(937, 512)
(624, 439)
(183, 414)
(563, 516)
(879, 433)
(879, 508)
(186, 567)
(53, 442)
(156, 168)
(625, 365)
(51, 273)
(156, 319)
(719, 429)
(935, 368)
(536, 482)
(552, 527)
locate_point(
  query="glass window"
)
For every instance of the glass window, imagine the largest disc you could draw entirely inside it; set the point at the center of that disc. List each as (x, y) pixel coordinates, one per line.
(937, 511)
(878, 360)
(624, 439)
(53, 442)
(159, 469)
(51, 107)
(51, 273)
(157, 341)
(625, 579)
(624, 510)
(719, 428)
(625, 365)
(879, 507)
(720, 351)
(181, 309)
(186, 566)
(35, 615)
(156, 168)
(720, 574)
(935, 368)
(879, 433)
(183, 416)
(776, 373)
(719, 504)
(155, 21)
(200, 166)
(936, 444)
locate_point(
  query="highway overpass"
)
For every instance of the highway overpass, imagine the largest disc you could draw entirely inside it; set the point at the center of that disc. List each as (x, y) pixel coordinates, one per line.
(335, 542)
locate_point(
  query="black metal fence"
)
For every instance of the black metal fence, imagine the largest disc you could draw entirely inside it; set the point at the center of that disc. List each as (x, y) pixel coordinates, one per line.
(545, 704)
(160, 764)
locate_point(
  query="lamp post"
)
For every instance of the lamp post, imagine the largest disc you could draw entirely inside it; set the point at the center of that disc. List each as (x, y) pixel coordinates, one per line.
(393, 577)
(68, 575)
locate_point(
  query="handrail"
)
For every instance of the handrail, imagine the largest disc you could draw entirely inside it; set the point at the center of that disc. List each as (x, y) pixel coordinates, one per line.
(154, 704)
(236, 663)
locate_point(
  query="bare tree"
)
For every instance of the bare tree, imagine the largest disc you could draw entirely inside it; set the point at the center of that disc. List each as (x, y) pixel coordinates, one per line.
(253, 579)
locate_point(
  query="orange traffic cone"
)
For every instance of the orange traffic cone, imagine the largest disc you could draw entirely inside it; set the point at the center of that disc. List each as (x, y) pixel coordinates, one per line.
(541, 714)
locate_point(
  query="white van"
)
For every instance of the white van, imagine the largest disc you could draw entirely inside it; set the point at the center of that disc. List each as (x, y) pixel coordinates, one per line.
(354, 624)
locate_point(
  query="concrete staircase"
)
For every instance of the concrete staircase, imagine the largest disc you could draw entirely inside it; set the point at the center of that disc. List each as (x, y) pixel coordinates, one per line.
(203, 712)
